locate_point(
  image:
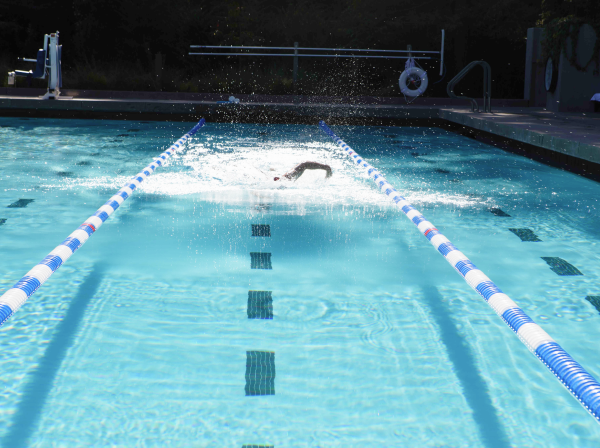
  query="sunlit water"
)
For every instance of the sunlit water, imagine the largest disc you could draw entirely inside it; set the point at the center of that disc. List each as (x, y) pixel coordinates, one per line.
(140, 339)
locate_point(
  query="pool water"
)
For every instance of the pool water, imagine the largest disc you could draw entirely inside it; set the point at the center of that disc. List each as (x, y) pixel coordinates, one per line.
(149, 336)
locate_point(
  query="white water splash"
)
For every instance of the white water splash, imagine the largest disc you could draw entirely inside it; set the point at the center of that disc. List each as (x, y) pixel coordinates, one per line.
(243, 170)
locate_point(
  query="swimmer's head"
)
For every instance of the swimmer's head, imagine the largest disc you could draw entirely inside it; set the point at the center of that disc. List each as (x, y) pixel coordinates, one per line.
(277, 178)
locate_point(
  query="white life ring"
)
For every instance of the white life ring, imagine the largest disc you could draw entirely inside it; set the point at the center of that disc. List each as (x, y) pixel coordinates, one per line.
(417, 78)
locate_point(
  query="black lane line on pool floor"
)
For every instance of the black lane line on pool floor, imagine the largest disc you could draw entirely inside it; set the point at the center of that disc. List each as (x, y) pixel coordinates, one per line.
(526, 235)
(561, 267)
(474, 387)
(20, 203)
(595, 301)
(260, 365)
(499, 212)
(260, 260)
(260, 305)
(261, 230)
(260, 373)
(25, 419)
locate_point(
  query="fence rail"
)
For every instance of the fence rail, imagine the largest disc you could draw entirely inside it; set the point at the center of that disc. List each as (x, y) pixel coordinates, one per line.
(393, 54)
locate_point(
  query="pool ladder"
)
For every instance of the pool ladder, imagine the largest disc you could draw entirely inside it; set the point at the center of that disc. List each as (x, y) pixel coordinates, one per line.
(487, 86)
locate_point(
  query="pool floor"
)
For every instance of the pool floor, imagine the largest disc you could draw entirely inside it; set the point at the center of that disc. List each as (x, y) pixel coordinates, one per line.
(340, 326)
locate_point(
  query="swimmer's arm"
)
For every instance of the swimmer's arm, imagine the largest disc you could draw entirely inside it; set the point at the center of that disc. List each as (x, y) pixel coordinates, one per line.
(299, 170)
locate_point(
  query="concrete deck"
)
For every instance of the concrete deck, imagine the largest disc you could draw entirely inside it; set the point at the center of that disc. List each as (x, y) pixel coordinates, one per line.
(573, 134)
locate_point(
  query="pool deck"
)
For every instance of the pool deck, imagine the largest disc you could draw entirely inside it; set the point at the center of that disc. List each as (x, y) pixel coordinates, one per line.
(573, 134)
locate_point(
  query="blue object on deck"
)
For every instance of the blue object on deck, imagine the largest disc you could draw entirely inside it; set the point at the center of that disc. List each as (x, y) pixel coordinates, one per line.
(40, 67)
(232, 100)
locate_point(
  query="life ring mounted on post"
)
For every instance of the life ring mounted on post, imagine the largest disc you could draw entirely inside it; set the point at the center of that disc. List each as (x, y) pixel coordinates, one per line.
(413, 81)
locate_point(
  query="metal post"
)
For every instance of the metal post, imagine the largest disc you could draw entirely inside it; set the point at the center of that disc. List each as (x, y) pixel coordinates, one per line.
(53, 75)
(442, 54)
(295, 67)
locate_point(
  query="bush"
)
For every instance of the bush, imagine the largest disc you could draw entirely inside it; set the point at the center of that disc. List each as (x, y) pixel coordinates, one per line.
(95, 81)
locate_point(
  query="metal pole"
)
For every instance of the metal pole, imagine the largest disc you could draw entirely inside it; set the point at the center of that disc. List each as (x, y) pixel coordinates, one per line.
(295, 67)
(246, 47)
(442, 52)
(307, 55)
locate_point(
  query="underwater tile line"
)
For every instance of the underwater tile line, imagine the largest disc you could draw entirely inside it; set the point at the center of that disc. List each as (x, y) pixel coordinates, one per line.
(260, 305)
(21, 203)
(260, 364)
(526, 235)
(561, 267)
(583, 386)
(260, 373)
(261, 230)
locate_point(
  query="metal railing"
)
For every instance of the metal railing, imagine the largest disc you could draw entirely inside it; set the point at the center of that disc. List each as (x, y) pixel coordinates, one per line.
(295, 53)
(487, 86)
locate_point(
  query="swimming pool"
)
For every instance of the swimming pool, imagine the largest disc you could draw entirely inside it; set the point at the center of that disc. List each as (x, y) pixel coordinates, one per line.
(151, 335)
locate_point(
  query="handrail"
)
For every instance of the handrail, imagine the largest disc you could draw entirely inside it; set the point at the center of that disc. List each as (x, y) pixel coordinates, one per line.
(246, 47)
(294, 52)
(354, 56)
(487, 86)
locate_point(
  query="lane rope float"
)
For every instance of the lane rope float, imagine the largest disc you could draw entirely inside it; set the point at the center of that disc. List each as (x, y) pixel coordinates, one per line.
(15, 297)
(571, 374)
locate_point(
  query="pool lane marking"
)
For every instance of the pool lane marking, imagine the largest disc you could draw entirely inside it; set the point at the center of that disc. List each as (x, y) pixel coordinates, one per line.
(572, 375)
(499, 212)
(260, 364)
(21, 203)
(260, 304)
(260, 260)
(15, 297)
(260, 373)
(561, 267)
(261, 230)
(595, 301)
(526, 235)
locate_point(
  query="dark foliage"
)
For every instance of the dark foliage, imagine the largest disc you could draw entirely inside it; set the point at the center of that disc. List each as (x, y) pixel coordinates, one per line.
(112, 44)
(558, 9)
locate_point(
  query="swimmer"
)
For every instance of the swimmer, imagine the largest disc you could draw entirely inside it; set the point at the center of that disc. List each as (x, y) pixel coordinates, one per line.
(299, 170)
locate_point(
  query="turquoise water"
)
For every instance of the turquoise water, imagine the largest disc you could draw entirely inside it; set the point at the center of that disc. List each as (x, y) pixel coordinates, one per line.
(140, 339)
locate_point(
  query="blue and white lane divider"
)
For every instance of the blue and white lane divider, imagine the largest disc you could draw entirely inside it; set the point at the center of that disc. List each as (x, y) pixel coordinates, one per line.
(12, 299)
(575, 378)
